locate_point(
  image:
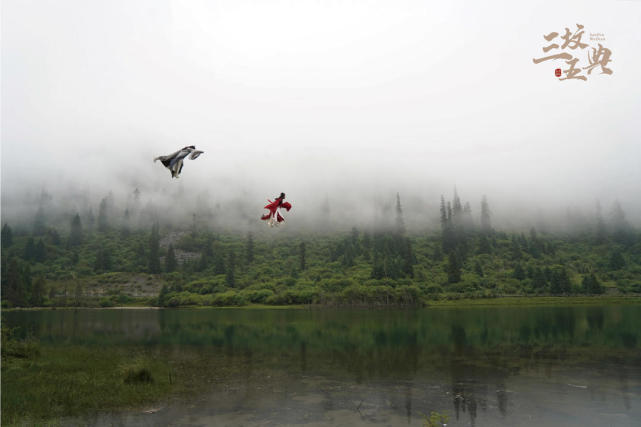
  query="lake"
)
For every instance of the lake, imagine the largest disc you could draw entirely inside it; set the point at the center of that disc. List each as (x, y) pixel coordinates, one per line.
(498, 366)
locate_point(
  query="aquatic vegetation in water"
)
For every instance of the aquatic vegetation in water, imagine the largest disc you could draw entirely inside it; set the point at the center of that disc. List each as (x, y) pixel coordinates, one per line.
(436, 419)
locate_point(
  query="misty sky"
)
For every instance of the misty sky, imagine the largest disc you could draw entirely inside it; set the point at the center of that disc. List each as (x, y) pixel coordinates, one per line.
(350, 100)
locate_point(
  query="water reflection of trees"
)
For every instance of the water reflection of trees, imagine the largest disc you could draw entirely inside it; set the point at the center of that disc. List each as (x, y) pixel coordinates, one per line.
(479, 349)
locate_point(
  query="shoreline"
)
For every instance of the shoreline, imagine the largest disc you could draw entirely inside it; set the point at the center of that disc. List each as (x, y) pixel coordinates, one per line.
(504, 301)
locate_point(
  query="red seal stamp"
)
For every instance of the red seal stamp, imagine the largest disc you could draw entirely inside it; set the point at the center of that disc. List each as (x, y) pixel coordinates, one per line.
(557, 72)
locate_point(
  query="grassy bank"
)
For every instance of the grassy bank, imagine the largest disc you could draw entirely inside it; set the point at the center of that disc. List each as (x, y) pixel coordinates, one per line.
(511, 301)
(50, 383)
(502, 301)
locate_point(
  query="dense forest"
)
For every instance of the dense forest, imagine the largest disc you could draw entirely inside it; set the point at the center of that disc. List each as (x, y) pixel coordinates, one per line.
(103, 262)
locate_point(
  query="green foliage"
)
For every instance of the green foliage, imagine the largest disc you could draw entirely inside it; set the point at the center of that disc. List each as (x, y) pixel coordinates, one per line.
(154, 249)
(436, 419)
(591, 285)
(75, 236)
(7, 236)
(352, 268)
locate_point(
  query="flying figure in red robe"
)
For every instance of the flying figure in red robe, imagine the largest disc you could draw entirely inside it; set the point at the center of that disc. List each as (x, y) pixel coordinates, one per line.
(273, 217)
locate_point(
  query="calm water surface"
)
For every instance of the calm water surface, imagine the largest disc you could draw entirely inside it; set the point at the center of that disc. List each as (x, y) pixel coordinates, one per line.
(525, 366)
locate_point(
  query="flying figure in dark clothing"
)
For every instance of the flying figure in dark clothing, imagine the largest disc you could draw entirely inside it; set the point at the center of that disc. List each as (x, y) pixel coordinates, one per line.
(174, 161)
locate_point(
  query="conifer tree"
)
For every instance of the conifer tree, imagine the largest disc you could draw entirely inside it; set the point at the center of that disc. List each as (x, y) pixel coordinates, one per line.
(484, 245)
(7, 236)
(519, 274)
(250, 248)
(601, 231)
(400, 222)
(539, 281)
(40, 252)
(219, 262)
(90, 220)
(591, 285)
(170, 259)
(617, 261)
(75, 236)
(39, 222)
(30, 250)
(478, 269)
(303, 260)
(13, 291)
(230, 278)
(620, 225)
(443, 214)
(103, 220)
(378, 267)
(154, 249)
(77, 294)
(486, 225)
(453, 268)
(457, 208)
(162, 296)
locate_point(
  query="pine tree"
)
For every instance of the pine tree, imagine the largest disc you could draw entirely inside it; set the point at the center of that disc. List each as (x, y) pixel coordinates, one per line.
(478, 269)
(453, 268)
(30, 250)
(124, 229)
(519, 274)
(154, 250)
(219, 262)
(366, 246)
(103, 260)
(408, 257)
(91, 219)
(162, 296)
(25, 284)
(601, 231)
(591, 285)
(13, 291)
(7, 236)
(484, 245)
(437, 255)
(620, 225)
(617, 261)
(230, 278)
(170, 259)
(302, 252)
(40, 252)
(559, 282)
(53, 237)
(39, 222)
(443, 214)
(486, 226)
(400, 223)
(467, 221)
(103, 220)
(515, 250)
(250, 248)
(77, 295)
(457, 209)
(348, 254)
(564, 281)
(75, 237)
(206, 255)
(538, 281)
(38, 292)
(378, 267)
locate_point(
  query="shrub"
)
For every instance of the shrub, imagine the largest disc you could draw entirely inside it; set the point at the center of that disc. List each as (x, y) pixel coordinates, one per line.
(107, 302)
(138, 376)
(229, 298)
